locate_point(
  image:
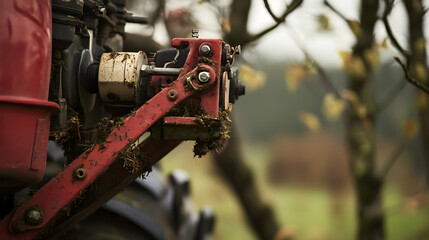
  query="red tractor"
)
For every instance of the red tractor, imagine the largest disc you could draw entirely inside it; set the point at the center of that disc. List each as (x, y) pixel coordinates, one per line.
(67, 79)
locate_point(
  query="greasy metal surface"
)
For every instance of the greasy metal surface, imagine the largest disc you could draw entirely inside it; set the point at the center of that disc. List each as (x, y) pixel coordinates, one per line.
(61, 190)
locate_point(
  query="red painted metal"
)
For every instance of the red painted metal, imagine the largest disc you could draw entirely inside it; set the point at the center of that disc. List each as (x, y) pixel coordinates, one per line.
(209, 99)
(25, 62)
(99, 162)
(61, 190)
(180, 120)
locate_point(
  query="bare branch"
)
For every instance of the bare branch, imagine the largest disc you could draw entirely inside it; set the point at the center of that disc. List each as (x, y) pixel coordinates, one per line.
(387, 9)
(388, 99)
(392, 159)
(326, 81)
(335, 10)
(410, 78)
(290, 8)
(267, 6)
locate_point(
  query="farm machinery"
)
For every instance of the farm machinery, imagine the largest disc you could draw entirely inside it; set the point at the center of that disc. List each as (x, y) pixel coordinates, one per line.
(67, 80)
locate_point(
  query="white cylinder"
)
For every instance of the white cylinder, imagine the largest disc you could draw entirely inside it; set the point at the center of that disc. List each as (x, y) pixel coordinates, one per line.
(118, 77)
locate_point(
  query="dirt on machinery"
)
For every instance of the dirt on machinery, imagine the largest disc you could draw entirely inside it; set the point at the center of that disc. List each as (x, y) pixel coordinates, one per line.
(221, 124)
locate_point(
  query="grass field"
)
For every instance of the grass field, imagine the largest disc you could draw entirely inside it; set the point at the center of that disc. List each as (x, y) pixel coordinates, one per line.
(309, 213)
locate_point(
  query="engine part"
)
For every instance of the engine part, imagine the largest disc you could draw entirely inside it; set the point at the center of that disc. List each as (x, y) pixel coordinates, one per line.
(25, 65)
(237, 88)
(65, 19)
(105, 165)
(118, 77)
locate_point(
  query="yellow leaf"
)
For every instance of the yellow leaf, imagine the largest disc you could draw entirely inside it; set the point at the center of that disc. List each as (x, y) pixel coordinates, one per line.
(410, 129)
(253, 79)
(310, 120)
(420, 45)
(332, 106)
(383, 43)
(360, 167)
(361, 111)
(324, 22)
(294, 74)
(422, 100)
(372, 56)
(226, 25)
(420, 71)
(350, 96)
(355, 27)
(353, 65)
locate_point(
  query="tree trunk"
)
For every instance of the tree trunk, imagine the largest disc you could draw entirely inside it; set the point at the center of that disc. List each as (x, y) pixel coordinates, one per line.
(360, 129)
(238, 174)
(418, 63)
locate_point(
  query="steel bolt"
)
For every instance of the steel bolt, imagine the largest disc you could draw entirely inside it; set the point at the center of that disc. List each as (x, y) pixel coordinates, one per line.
(34, 216)
(205, 49)
(204, 77)
(195, 33)
(172, 95)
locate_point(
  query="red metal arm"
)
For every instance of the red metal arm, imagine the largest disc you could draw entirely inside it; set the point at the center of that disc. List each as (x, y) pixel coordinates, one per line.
(65, 187)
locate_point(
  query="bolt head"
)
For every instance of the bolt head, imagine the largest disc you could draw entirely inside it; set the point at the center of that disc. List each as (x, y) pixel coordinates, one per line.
(172, 95)
(34, 216)
(204, 77)
(205, 49)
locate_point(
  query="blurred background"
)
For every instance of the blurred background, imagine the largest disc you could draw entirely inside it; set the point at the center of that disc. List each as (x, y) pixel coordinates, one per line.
(329, 140)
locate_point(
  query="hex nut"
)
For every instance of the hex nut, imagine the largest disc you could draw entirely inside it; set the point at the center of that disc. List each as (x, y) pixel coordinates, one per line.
(205, 49)
(34, 216)
(204, 77)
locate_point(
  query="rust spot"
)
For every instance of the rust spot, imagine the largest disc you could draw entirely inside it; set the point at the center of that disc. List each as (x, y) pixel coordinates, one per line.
(113, 54)
(126, 56)
(113, 97)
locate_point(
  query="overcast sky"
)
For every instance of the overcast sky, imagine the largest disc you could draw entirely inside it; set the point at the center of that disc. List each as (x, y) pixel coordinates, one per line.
(323, 46)
(301, 25)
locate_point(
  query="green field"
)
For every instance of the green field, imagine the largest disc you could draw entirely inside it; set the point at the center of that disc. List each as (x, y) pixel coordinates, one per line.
(309, 213)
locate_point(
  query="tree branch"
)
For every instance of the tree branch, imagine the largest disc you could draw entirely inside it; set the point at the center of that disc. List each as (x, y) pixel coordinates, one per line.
(326, 81)
(410, 78)
(279, 20)
(333, 9)
(392, 159)
(388, 99)
(387, 9)
(267, 6)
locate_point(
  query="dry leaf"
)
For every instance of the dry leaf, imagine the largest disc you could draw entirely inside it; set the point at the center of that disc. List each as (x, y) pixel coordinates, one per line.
(420, 71)
(383, 43)
(410, 129)
(294, 74)
(350, 96)
(355, 27)
(253, 79)
(422, 100)
(420, 45)
(324, 22)
(362, 111)
(332, 106)
(372, 57)
(226, 25)
(353, 65)
(310, 120)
